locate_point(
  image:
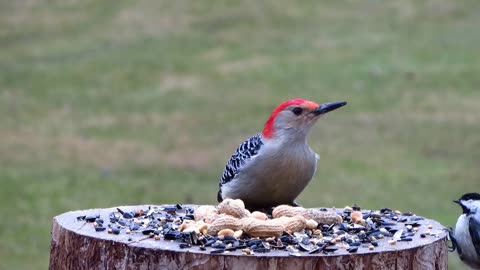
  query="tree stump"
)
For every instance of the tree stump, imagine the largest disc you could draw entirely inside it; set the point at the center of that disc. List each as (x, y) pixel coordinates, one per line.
(75, 244)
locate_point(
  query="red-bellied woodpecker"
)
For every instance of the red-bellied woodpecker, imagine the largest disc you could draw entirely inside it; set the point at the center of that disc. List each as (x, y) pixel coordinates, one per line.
(273, 167)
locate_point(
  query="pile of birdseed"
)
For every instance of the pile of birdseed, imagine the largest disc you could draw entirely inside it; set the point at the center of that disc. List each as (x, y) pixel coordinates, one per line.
(160, 225)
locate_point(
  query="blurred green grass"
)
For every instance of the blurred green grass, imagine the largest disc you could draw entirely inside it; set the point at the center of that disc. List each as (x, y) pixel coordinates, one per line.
(107, 103)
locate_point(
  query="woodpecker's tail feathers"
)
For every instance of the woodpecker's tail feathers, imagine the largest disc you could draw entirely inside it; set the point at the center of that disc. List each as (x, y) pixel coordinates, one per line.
(295, 204)
(219, 196)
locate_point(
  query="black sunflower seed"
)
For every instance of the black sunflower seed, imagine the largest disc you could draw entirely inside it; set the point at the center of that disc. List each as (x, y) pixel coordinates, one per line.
(91, 218)
(210, 242)
(356, 243)
(407, 239)
(330, 249)
(352, 249)
(219, 245)
(172, 235)
(217, 251)
(128, 215)
(99, 229)
(252, 242)
(184, 245)
(147, 232)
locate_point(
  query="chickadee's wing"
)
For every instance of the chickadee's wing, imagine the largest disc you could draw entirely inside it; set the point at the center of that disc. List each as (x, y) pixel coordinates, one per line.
(474, 229)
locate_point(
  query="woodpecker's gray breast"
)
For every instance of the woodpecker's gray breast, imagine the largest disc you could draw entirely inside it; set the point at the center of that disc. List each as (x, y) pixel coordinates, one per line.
(245, 151)
(265, 173)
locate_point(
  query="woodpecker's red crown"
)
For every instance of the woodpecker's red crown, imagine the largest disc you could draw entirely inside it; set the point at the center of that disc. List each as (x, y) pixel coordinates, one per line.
(269, 128)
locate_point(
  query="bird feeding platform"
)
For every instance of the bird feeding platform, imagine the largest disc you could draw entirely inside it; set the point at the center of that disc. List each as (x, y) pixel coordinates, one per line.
(174, 237)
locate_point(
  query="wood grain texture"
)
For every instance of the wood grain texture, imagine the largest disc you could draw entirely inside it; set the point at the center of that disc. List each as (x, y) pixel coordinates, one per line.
(76, 245)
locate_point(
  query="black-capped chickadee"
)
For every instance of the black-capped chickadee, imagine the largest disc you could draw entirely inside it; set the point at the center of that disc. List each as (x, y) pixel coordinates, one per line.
(466, 238)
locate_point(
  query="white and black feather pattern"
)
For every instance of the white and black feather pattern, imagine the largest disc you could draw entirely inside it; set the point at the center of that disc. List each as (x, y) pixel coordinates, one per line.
(474, 229)
(244, 152)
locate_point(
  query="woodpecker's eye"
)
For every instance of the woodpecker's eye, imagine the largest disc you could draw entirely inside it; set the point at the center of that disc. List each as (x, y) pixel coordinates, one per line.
(297, 110)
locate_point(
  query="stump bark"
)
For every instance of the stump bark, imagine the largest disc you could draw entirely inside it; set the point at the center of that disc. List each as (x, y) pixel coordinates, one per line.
(76, 245)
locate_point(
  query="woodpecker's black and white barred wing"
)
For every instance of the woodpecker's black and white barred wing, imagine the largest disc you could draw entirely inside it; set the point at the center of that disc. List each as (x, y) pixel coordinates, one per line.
(474, 229)
(247, 150)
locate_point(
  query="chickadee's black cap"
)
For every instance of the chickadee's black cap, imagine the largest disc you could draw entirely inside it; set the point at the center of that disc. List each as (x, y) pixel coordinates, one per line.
(470, 196)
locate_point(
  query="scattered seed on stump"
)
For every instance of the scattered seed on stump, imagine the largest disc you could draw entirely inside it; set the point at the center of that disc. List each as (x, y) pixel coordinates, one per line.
(349, 229)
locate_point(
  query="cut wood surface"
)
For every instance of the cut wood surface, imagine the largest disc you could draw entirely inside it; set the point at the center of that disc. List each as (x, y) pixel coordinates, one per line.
(76, 245)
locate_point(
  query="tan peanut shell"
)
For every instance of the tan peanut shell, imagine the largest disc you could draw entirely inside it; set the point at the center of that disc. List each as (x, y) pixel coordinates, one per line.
(203, 228)
(323, 217)
(311, 224)
(238, 234)
(259, 215)
(281, 221)
(204, 213)
(356, 216)
(192, 229)
(186, 224)
(262, 228)
(287, 211)
(224, 222)
(225, 232)
(295, 224)
(235, 208)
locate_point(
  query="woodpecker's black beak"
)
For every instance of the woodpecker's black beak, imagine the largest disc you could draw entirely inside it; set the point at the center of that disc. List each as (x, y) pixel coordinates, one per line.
(327, 107)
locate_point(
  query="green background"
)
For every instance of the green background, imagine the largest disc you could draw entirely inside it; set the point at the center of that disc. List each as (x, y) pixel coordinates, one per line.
(106, 103)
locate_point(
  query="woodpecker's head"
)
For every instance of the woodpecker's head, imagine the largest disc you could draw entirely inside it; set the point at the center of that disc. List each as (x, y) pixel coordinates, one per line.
(470, 202)
(294, 118)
